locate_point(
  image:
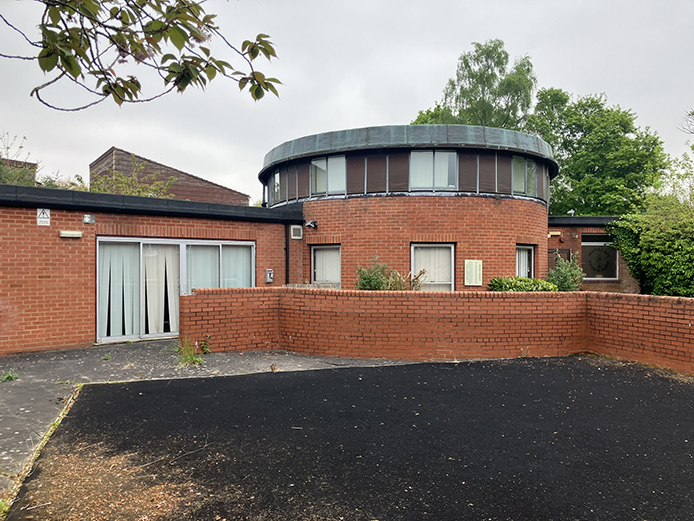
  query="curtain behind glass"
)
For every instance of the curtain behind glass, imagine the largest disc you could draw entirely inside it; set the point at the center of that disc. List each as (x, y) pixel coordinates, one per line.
(237, 266)
(119, 290)
(161, 273)
(445, 171)
(523, 262)
(203, 267)
(422, 170)
(326, 265)
(437, 263)
(518, 175)
(337, 174)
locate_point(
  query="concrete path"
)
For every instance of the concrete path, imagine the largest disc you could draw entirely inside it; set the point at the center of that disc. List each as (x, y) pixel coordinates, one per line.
(34, 400)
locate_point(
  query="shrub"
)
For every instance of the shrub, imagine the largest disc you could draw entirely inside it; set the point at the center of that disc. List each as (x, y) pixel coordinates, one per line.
(379, 277)
(188, 352)
(567, 275)
(520, 284)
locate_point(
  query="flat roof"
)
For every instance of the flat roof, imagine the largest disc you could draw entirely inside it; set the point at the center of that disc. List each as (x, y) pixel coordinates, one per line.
(32, 197)
(410, 136)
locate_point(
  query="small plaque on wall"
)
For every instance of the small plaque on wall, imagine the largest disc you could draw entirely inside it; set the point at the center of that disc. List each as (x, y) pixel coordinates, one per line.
(473, 272)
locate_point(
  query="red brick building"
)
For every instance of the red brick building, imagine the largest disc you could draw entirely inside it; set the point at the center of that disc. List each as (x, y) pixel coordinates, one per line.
(464, 203)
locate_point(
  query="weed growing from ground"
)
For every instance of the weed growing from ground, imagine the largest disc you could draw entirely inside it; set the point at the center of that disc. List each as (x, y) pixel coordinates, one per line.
(107, 356)
(188, 352)
(10, 374)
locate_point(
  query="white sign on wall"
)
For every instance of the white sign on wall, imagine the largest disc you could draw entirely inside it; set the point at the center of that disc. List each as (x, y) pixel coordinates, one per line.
(43, 217)
(473, 272)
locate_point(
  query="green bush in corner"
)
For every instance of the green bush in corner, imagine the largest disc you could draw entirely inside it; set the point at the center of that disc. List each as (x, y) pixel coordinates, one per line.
(567, 275)
(520, 284)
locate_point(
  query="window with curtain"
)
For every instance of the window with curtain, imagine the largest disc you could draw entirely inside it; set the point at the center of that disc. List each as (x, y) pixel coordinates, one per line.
(202, 266)
(118, 312)
(326, 264)
(329, 175)
(524, 261)
(438, 261)
(518, 166)
(237, 266)
(531, 177)
(161, 276)
(433, 169)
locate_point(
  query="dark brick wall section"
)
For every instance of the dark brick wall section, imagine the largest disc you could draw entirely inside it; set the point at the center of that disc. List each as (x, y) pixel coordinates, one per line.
(186, 186)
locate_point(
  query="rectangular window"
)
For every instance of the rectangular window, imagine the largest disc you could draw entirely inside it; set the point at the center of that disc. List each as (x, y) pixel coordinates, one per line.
(438, 261)
(329, 175)
(139, 280)
(599, 260)
(422, 170)
(319, 176)
(433, 170)
(525, 261)
(276, 197)
(531, 178)
(518, 175)
(326, 265)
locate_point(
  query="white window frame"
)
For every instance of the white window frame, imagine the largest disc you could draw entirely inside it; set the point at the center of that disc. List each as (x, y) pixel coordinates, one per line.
(316, 248)
(526, 248)
(183, 270)
(601, 243)
(451, 247)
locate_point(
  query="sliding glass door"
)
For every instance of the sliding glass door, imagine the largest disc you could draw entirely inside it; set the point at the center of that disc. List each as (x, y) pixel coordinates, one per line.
(139, 281)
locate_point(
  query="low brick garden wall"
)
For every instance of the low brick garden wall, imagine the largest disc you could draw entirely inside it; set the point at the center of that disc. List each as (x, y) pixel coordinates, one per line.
(443, 325)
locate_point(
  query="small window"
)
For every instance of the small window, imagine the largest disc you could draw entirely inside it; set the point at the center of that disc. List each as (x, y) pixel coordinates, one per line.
(326, 265)
(276, 197)
(433, 170)
(518, 175)
(531, 178)
(328, 175)
(525, 261)
(438, 261)
(599, 260)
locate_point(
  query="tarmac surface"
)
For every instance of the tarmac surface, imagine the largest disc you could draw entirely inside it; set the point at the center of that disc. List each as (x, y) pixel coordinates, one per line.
(34, 400)
(580, 437)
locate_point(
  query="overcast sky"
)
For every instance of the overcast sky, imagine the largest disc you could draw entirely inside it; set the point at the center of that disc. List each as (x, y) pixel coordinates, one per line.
(358, 63)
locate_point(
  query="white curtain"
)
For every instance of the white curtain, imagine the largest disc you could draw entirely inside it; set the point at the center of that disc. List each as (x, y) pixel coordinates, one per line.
(202, 267)
(326, 265)
(119, 290)
(436, 260)
(422, 169)
(161, 272)
(237, 266)
(445, 170)
(337, 174)
(524, 262)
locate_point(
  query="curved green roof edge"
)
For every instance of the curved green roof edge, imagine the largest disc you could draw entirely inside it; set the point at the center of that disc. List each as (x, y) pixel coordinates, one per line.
(410, 136)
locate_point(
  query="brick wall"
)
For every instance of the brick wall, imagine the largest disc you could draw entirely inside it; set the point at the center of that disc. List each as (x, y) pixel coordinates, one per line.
(649, 329)
(48, 283)
(482, 228)
(444, 326)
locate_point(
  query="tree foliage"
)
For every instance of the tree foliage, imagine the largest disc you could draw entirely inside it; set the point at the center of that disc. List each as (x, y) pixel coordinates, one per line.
(658, 245)
(15, 168)
(95, 43)
(607, 164)
(688, 124)
(485, 90)
(114, 182)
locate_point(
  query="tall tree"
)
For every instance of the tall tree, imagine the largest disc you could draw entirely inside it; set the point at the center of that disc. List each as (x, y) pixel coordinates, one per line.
(94, 43)
(485, 90)
(607, 164)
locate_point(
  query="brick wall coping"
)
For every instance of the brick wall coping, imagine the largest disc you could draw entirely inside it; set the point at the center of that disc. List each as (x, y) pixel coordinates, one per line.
(32, 197)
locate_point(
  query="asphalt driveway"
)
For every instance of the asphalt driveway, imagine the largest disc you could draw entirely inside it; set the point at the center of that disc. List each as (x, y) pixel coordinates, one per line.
(562, 438)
